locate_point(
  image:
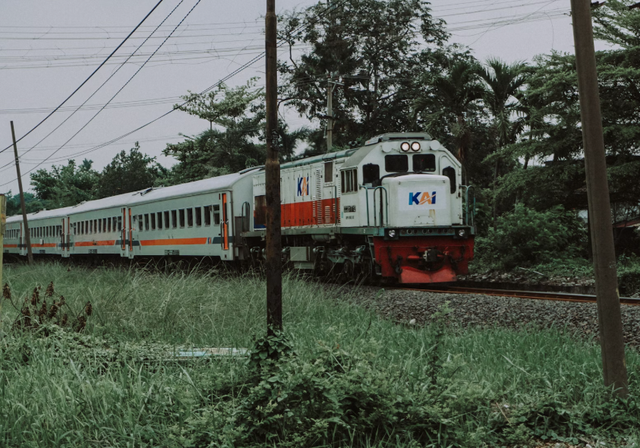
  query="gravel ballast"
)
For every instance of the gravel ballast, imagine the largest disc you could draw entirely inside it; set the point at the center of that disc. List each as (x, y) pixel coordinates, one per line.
(410, 307)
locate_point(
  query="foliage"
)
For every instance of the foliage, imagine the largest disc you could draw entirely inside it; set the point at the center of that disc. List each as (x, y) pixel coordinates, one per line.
(66, 185)
(377, 48)
(32, 204)
(334, 398)
(129, 172)
(229, 147)
(525, 237)
(353, 379)
(38, 317)
(449, 101)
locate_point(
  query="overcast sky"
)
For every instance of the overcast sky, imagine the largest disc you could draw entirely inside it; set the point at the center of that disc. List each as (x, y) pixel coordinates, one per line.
(48, 48)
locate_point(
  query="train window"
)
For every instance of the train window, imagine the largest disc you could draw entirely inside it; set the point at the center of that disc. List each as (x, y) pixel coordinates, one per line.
(104, 224)
(424, 162)
(95, 226)
(207, 215)
(216, 214)
(181, 214)
(190, 217)
(159, 220)
(349, 180)
(153, 221)
(370, 174)
(146, 221)
(328, 172)
(174, 219)
(198, 213)
(167, 220)
(99, 228)
(450, 172)
(119, 223)
(396, 163)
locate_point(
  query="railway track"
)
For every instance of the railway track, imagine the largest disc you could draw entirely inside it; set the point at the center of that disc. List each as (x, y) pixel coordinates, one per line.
(536, 295)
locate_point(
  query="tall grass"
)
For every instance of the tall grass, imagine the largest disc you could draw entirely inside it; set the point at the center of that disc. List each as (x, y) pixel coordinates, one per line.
(108, 387)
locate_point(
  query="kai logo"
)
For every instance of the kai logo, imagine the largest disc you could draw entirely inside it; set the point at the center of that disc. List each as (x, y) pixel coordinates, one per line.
(303, 186)
(421, 198)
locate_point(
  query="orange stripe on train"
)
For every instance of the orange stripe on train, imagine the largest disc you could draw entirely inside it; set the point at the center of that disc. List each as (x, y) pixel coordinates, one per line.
(173, 242)
(94, 243)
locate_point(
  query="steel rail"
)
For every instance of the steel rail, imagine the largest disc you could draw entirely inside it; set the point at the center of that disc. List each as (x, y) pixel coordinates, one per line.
(536, 295)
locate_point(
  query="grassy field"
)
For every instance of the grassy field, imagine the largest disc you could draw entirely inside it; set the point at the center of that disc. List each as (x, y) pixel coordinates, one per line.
(338, 376)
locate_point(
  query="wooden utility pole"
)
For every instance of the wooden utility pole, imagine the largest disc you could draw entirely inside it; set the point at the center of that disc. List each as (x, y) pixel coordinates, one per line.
(604, 258)
(3, 225)
(272, 179)
(27, 238)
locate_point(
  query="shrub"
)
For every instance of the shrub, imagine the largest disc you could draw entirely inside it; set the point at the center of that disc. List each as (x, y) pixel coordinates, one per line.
(526, 237)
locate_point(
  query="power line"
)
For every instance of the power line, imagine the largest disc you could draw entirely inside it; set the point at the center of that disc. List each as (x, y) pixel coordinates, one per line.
(120, 90)
(213, 86)
(86, 80)
(97, 90)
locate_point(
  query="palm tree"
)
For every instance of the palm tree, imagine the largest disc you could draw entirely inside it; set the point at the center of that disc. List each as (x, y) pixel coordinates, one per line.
(452, 97)
(503, 83)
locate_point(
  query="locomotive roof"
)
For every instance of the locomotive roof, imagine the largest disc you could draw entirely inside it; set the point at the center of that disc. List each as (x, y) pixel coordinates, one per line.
(321, 158)
(143, 196)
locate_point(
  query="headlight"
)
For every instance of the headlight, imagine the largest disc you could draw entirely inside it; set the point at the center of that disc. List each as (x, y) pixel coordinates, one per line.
(405, 146)
(415, 146)
(462, 233)
(392, 233)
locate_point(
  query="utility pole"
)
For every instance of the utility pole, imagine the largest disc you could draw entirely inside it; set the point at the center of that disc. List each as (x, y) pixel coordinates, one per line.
(24, 208)
(331, 85)
(272, 179)
(604, 258)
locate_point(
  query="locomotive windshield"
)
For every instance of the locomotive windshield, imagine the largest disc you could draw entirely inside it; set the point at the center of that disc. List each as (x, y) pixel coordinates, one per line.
(424, 162)
(396, 163)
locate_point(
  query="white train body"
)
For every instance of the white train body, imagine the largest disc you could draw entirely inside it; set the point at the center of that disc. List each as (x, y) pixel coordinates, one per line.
(393, 209)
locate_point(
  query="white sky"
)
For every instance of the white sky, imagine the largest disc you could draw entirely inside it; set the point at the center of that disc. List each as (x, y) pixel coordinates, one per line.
(48, 48)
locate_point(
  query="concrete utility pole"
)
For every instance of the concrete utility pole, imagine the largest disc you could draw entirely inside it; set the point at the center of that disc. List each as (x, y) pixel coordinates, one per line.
(3, 225)
(272, 179)
(24, 208)
(604, 258)
(331, 85)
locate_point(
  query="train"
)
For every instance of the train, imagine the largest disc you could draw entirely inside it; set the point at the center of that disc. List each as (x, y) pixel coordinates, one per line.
(393, 210)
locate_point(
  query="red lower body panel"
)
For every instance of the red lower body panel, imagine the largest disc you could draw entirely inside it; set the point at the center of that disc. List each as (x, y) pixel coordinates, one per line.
(405, 259)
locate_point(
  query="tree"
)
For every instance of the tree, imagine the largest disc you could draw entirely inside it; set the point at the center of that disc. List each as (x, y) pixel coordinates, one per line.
(129, 172)
(450, 98)
(503, 84)
(66, 185)
(373, 46)
(232, 145)
(32, 204)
